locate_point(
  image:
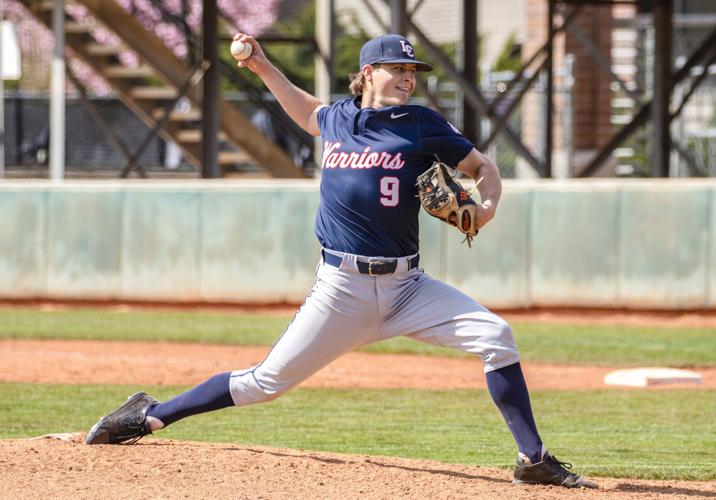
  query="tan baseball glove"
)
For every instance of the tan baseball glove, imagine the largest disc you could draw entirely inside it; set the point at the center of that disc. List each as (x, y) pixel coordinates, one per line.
(442, 196)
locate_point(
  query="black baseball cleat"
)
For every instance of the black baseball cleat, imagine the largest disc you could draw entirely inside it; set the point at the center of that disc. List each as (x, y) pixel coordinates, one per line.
(128, 423)
(549, 471)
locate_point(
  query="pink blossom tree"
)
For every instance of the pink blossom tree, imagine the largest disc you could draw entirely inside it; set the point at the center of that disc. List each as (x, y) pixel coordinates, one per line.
(36, 41)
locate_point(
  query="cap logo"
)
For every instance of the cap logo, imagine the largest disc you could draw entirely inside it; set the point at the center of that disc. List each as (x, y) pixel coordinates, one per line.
(407, 48)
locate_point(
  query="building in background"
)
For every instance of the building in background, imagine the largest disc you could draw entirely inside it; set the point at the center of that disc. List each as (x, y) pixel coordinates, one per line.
(582, 103)
(441, 21)
(588, 106)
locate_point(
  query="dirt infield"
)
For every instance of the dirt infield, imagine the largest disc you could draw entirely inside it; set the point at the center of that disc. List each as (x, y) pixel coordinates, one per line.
(165, 363)
(50, 468)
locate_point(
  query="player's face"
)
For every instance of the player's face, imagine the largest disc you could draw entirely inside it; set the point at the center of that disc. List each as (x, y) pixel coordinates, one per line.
(392, 84)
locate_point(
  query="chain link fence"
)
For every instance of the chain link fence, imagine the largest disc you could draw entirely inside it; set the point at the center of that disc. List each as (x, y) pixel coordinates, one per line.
(88, 151)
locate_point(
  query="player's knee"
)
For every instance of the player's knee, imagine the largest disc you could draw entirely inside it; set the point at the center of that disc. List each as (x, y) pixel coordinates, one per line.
(258, 385)
(505, 351)
(498, 345)
(505, 335)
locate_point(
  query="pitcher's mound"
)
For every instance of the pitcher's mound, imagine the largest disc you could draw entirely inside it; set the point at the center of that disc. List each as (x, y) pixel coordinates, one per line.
(153, 468)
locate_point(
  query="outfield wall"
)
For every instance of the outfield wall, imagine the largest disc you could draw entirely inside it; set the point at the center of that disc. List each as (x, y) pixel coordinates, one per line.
(594, 243)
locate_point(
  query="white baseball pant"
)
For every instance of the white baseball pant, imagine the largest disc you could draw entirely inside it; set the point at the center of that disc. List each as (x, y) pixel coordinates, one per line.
(346, 310)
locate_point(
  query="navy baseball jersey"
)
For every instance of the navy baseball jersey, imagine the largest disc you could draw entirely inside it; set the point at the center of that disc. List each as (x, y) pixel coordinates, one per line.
(371, 160)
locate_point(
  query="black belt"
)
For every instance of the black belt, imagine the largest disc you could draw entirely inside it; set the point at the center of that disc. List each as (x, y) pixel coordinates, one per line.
(373, 267)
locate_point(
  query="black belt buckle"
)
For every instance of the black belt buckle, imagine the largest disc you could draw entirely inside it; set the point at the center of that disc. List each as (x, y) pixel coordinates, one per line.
(378, 267)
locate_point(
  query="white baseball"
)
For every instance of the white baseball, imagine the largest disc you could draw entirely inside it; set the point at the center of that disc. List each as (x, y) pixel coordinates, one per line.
(240, 50)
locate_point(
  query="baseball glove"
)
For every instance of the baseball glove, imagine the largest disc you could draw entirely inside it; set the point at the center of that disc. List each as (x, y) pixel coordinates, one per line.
(442, 196)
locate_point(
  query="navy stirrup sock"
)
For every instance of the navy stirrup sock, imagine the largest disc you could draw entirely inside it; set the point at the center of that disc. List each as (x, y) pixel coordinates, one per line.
(211, 395)
(509, 392)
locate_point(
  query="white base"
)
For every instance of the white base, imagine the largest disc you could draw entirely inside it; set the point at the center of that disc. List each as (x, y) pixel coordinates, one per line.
(63, 436)
(645, 377)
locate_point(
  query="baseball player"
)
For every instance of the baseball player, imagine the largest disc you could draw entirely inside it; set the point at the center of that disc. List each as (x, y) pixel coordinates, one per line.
(369, 286)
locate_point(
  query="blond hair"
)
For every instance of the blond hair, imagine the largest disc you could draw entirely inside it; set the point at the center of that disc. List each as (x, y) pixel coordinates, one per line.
(356, 84)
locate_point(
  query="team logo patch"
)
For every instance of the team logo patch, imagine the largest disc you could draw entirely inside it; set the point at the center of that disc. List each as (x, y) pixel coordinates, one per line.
(407, 48)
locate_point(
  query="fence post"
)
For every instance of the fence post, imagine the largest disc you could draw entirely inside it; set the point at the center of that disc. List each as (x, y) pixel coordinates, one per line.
(569, 112)
(57, 95)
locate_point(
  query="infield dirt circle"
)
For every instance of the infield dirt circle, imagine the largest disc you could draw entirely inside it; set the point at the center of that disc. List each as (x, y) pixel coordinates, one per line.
(156, 468)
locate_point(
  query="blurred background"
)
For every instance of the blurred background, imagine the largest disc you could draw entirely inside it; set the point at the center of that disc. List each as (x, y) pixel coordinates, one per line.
(557, 92)
(548, 88)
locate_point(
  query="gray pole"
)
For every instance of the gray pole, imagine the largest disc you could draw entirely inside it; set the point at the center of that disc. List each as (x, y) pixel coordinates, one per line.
(210, 98)
(323, 61)
(469, 68)
(663, 13)
(325, 47)
(2, 100)
(397, 16)
(57, 95)
(549, 90)
(569, 112)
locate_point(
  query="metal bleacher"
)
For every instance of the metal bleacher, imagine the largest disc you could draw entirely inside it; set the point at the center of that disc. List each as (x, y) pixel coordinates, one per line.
(153, 88)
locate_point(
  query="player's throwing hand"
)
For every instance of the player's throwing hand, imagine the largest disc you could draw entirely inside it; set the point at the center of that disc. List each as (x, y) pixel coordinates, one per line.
(257, 61)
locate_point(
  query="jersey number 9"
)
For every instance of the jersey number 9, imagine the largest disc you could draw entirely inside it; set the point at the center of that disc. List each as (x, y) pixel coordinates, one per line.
(389, 189)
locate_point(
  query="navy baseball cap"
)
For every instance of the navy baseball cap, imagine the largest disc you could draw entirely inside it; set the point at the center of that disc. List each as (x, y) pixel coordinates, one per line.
(390, 49)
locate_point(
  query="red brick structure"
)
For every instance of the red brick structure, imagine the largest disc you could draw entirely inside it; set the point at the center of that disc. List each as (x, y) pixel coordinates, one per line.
(592, 94)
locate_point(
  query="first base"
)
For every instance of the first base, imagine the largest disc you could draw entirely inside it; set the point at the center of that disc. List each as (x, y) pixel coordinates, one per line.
(646, 377)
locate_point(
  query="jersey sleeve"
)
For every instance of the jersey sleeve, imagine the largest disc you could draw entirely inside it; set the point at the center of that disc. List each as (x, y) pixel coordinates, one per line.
(440, 140)
(322, 114)
(328, 115)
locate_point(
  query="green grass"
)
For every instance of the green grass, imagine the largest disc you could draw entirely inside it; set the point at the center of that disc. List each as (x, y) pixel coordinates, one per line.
(596, 345)
(555, 343)
(643, 434)
(244, 329)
